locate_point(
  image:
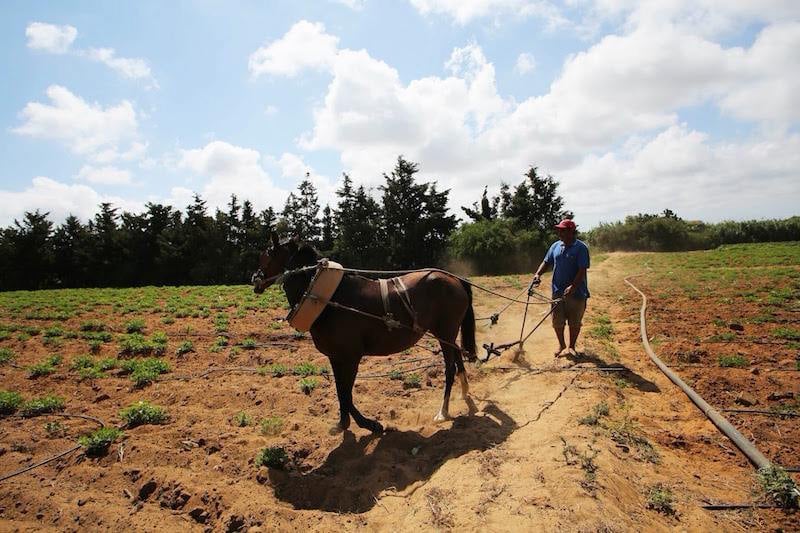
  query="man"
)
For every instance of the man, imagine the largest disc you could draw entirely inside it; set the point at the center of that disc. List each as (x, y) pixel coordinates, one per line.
(569, 258)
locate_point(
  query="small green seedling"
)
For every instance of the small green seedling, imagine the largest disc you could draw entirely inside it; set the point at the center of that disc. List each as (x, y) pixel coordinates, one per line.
(9, 402)
(271, 425)
(412, 381)
(97, 442)
(141, 413)
(660, 499)
(40, 406)
(308, 384)
(242, 419)
(272, 457)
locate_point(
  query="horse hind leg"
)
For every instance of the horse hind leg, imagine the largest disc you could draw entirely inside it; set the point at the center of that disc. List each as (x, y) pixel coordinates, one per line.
(449, 378)
(462, 376)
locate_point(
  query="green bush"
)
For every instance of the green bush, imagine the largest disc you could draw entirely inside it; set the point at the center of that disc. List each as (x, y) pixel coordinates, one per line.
(41, 406)
(273, 457)
(9, 402)
(496, 246)
(143, 412)
(6, 356)
(97, 442)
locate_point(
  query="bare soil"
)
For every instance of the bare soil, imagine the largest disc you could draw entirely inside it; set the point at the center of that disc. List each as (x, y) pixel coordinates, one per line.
(518, 460)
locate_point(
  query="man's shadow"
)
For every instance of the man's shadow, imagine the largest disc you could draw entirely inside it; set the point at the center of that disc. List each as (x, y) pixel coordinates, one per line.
(350, 480)
(625, 373)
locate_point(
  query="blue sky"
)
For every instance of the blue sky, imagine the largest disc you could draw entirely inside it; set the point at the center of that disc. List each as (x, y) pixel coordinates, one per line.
(633, 106)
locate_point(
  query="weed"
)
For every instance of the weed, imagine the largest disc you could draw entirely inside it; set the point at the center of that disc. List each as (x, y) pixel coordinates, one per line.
(53, 331)
(6, 356)
(134, 326)
(90, 373)
(412, 381)
(22, 336)
(141, 413)
(598, 411)
(106, 364)
(144, 371)
(603, 329)
(184, 348)
(43, 405)
(308, 384)
(725, 336)
(242, 419)
(271, 425)
(82, 361)
(168, 320)
(9, 402)
(778, 485)
(659, 499)
(733, 361)
(221, 341)
(55, 429)
(272, 457)
(93, 325)
(100, 336)
(626, 434)
(97, 442)
(249, 343)
(52, 342)
(95, 346)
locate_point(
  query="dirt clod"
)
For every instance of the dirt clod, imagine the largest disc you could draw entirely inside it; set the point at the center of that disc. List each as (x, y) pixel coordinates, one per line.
(746, 399)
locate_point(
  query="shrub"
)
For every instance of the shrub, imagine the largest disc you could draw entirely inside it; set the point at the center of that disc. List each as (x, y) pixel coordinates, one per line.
(9, 402)
(308, 384)
(271, 425)
(41, 406)
(249, 344)
(143, 412)
(496, 246)
(659, 498)
(97, 442)
(273, 457)
(778, 485)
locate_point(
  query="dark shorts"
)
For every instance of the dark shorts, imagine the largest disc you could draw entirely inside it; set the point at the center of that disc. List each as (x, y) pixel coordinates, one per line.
(569, 310)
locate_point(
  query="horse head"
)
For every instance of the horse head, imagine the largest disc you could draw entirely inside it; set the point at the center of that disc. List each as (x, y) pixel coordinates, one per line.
(273, 262)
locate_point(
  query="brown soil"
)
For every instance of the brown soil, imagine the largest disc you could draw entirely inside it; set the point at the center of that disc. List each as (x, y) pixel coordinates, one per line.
(521, 462)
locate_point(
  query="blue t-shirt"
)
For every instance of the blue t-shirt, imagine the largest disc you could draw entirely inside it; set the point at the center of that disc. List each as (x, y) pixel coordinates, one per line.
(566, 261)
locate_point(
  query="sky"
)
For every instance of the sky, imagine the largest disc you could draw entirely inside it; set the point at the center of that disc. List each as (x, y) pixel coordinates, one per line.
(633, 106)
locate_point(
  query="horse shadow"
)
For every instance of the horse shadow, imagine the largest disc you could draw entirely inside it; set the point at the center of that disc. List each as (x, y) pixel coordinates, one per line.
(351, 478)
(636, 380)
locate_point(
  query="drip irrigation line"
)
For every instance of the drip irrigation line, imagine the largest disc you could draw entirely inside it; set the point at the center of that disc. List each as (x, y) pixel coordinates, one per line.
(734, 506)
(760, 412)
(765, 369)
(57, 456)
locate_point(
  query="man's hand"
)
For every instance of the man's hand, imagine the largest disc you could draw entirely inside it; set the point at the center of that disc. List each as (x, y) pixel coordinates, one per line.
(568, 291)
(534, 283)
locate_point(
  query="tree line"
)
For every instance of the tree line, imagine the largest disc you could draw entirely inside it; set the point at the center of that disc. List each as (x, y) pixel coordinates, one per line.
(403, 224)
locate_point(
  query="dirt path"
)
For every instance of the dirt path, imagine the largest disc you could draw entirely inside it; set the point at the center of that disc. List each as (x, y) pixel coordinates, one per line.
(521, 462)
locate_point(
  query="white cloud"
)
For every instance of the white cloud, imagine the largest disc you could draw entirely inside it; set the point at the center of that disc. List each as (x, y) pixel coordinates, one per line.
(292, 166)
(232, 170)
(59, 199)
(131, 68)
(525, 64)
(355, 5)
(465, 11)
(305, 45)
(49, 37)
(270, 110)
(85, 128)
(108, 175)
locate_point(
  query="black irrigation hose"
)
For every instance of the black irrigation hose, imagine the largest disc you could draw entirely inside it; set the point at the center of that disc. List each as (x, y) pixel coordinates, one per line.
(57, 456)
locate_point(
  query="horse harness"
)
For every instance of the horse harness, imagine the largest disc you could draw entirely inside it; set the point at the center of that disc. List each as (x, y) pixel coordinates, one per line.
(402, 293)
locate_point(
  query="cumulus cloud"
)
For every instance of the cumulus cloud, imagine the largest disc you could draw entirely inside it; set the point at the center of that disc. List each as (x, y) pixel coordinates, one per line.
(84, 127)
(525, 63)
(232, 169)
(131, 68)
(50, 37)
(465, 11)
(58, 40)
(305, 45)
(108, 175)
(59, 199)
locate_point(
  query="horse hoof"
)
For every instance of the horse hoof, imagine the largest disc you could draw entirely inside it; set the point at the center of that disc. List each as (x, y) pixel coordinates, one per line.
(375, 427)
(335, 430)
(441, 417)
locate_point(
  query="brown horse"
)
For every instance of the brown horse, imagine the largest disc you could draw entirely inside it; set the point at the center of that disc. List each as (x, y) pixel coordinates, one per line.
(442, 304)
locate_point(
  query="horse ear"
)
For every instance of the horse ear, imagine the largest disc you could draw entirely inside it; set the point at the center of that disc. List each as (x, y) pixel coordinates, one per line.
(275, 241)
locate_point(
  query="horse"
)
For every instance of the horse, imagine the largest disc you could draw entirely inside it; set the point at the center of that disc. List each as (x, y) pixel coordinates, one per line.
(434, 301)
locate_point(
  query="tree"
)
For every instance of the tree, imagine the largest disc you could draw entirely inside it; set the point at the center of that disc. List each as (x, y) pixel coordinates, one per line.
(534, 203)
(328, 230)
(360, 238)
(487, 210)
(301, 212)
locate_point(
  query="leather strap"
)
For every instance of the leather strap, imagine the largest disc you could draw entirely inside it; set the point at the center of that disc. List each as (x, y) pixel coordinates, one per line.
(402, 292)
(385, 296)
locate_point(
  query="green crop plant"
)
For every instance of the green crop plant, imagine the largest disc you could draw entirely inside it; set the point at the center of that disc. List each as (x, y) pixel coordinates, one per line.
(733, 361)
(273, 457)
(308, 384)
(134, 326)
(412, 381)
(271, 425)
(96, 443)
(9, 402)
(40, 406)
(141, 413)
(6, 356)
(184, 348)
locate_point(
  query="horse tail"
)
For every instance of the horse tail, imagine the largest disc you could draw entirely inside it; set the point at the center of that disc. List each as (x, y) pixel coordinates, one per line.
(468, 326)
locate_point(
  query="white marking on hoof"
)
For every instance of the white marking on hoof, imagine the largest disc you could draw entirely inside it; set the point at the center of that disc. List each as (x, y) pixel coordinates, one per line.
(335, 430)
(441, 416)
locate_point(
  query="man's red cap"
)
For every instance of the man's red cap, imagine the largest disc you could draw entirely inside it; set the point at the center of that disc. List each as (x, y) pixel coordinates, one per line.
(566, 224)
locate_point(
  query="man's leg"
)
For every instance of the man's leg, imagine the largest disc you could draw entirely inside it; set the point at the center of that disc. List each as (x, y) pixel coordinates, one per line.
(559, 321)
(575, 313)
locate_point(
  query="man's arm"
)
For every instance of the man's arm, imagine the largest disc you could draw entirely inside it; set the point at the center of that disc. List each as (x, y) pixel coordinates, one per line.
(575, 282)
(537, 277)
